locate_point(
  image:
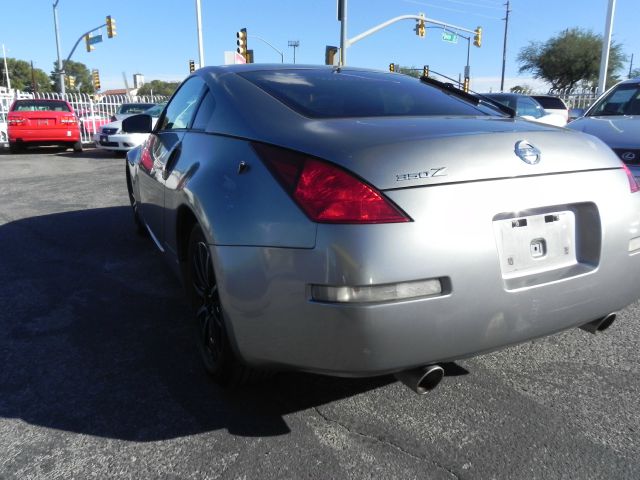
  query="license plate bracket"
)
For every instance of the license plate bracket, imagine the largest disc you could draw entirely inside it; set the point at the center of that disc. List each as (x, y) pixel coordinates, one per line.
(535, 243)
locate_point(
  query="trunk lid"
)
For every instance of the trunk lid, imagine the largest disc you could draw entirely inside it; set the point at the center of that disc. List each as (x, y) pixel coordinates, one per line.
(403, 152)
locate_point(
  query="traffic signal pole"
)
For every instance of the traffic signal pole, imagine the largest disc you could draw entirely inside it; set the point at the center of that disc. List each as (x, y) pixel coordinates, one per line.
(199, 27)
(60, 71)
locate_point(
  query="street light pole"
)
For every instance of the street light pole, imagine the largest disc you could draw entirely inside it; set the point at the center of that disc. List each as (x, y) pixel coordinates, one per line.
(60, 71)
(342, 16)
(504, 46)
(606, 45)
(295, 44)
(199, 27)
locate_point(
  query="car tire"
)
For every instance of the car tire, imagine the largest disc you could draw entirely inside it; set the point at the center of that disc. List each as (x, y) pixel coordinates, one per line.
(210, 330)
(140, 228)
(77, 146)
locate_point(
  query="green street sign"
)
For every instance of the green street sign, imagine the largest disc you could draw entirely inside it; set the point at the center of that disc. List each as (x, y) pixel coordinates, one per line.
(449, 37)
(95, 39)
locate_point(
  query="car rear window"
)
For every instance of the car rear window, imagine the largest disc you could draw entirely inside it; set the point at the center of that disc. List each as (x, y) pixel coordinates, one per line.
(135, 107)
(333, 93)
(40, 106)
(551, 102)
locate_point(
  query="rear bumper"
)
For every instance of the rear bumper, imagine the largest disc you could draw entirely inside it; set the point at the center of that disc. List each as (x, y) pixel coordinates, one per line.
(119, 142)
(44, 136)
(274, 322)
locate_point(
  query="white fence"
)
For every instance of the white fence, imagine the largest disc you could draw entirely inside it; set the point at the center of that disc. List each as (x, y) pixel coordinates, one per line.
(572, 97)
(92, 111)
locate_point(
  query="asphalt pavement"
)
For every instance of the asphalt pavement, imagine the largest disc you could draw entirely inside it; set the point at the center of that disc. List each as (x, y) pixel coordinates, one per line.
(99, 377)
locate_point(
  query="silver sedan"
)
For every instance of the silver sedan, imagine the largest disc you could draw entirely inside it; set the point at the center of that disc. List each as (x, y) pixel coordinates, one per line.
(358, 223)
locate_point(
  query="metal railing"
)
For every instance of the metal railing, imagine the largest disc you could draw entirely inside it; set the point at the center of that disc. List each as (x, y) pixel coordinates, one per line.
(572, 97)
(93, 111)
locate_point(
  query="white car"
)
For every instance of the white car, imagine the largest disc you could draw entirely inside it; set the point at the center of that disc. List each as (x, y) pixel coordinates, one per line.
(111, 137)
(528, 108)
(553, 104)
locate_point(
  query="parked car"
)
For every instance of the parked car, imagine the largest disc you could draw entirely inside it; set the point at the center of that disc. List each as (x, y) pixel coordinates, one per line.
(34, 122)
(90, 122)
(111, 136)
(553, 104)
(356, 223)
(528, 108)
(615, 119)
(127, 109)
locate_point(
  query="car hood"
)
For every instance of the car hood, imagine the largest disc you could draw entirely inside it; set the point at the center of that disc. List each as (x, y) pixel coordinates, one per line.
(620, 131)
(404, 152)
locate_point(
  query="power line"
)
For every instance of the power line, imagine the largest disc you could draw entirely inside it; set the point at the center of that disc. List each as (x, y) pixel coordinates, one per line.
(452, 9)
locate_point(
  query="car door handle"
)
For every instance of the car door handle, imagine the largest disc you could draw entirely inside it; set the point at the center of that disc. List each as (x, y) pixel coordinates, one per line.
(171, 161)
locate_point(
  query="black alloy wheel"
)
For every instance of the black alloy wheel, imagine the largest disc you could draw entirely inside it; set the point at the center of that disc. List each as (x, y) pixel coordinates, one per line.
(211, 335)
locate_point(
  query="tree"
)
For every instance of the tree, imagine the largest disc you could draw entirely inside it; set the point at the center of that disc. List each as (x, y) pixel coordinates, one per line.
(411, 71)
(79, 71)
(635, 73)
(158, 87)
(22, 77)
(570, 58)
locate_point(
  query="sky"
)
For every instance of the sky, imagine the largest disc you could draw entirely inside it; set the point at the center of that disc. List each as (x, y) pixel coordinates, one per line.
(157, 38)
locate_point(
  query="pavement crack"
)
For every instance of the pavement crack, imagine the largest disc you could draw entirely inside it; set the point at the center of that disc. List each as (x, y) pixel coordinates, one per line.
(385, 442)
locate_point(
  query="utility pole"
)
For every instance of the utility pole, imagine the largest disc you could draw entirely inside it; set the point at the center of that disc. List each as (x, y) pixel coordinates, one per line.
(606, 45)
(629, 76)
(295, 44)
(504, 47)
(60, 71)
(199, 28)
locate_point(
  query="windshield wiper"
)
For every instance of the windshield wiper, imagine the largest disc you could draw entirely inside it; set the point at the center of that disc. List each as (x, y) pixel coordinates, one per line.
(474, 98)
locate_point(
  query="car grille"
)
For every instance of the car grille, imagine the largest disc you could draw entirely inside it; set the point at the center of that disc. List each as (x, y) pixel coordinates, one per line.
(628, 155)
(109, 131)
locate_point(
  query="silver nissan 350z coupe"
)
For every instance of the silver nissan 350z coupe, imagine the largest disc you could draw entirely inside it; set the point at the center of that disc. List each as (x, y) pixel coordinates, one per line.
(357, 223)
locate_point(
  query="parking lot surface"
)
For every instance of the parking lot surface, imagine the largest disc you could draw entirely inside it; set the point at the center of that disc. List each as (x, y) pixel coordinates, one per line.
(99, 377)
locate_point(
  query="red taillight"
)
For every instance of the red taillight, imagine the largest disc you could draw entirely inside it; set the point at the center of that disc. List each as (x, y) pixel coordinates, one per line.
(633, 183)
(17, 121)
(326, 192)
(68, 120)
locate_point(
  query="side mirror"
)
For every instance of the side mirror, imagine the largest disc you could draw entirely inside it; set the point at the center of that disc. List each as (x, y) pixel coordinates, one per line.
(576, 113)
(140, 123)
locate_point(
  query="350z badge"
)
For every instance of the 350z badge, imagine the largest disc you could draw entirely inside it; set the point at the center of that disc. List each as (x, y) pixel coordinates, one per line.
(432, 172)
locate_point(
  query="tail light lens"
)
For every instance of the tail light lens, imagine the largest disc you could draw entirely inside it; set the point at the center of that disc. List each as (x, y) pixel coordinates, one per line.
(68, 120)
(633, 183)
(17, 121)
(326, 192)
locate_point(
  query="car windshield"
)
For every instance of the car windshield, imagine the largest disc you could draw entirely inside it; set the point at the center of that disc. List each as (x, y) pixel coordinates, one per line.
(134, 107)
(622, 100)
(156, 110)
(334, 93)
(40, 106)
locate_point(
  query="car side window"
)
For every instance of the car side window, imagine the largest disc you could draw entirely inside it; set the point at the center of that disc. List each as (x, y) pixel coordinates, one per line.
(205, 112)
(529, 107)
(180, 110)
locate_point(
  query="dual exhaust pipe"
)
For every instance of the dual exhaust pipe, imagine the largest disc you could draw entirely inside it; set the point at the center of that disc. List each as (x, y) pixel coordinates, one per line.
(424, 379)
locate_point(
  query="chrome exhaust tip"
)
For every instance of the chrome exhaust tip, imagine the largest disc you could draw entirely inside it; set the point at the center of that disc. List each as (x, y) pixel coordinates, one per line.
(422, 379)
(599, 325)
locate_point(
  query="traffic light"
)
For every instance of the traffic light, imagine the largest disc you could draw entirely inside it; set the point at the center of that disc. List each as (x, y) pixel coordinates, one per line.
(420, 28)
(192, 66)
(465, 85)
(425, 71)
(111, 27)
(477, 38)
(87, 40)
(249, 56)
(242, 42)
(95, 77)
(392, 67)
(330, 54)
(71, 81)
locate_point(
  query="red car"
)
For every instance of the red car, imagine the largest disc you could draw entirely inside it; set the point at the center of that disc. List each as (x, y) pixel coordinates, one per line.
(43, 122)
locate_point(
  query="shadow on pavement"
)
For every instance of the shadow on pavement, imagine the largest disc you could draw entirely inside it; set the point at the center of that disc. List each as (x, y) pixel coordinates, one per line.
(95, 339)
